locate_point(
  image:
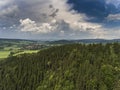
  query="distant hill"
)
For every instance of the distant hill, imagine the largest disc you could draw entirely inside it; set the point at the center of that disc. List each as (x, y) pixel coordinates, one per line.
(67, 67)
(84, 41)
(2, 40)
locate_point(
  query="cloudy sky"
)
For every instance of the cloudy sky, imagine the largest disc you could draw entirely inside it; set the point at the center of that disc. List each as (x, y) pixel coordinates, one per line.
(60, 19)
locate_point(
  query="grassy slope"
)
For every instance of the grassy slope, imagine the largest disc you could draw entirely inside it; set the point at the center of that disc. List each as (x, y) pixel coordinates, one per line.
(5, 54)
(27, 51)
(13, 44)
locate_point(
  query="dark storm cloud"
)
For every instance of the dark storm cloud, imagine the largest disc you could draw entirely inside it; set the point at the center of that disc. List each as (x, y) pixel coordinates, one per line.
(98, 9)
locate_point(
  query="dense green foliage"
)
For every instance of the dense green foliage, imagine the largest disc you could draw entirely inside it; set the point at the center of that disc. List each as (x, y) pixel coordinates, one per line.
(67, 67)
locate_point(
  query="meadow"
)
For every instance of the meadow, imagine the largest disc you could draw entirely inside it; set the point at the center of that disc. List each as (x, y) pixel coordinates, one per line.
(5, 54)
(9, 47)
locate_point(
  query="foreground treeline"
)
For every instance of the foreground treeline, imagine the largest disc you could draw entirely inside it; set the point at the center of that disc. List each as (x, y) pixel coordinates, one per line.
(68, 67)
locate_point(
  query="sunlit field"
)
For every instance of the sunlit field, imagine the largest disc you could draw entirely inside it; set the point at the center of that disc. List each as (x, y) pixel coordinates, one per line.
(5, 54)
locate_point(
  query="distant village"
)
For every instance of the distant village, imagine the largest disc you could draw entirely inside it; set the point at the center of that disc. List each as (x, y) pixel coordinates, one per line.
(34, 47)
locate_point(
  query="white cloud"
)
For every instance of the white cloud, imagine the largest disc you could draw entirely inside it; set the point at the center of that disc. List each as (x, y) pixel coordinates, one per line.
(69, 16)
(61, 28)
(76, 20)
(113, 17)
(35, 18)
(115, 2)
(65, 23)
(27, 25)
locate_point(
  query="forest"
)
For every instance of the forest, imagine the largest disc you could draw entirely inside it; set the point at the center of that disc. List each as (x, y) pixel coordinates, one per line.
(66, 67)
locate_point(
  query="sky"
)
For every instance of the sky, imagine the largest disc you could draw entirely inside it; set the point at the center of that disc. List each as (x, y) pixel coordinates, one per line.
(60, 19)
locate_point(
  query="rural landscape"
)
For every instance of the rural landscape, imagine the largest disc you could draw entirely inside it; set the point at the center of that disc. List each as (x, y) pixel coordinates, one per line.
(62, 64)
(59, 44)
(13, 47)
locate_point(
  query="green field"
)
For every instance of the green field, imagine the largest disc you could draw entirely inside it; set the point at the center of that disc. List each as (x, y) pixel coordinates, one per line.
(27, 51)
(5, 54)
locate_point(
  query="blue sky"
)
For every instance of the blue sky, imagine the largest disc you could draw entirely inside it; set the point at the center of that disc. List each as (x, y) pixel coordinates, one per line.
(60, 19)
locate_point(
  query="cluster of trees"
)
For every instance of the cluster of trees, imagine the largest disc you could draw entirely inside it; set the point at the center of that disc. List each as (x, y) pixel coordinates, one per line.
(67, 67)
